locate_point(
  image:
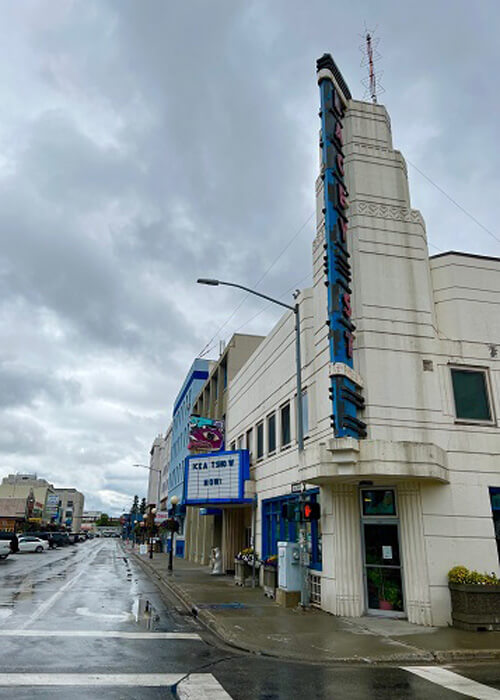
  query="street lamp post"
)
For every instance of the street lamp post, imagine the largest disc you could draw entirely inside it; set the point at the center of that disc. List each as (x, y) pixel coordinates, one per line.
(158, 471)
(298, 362)
(304, 597)
(173, 502)
(151, 543)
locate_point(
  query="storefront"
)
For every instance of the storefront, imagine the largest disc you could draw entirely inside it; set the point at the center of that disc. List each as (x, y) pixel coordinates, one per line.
(276, 527)
(217, 484)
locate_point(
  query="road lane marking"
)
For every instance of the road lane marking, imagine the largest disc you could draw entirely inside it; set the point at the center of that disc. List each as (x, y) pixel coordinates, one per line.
(100, 633)
(453, 681)
(47, 604)
(120, 617)
(201, 686)
(90, 679)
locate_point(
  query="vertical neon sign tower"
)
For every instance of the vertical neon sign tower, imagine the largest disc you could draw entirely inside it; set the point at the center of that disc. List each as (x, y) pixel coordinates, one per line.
(344, 385)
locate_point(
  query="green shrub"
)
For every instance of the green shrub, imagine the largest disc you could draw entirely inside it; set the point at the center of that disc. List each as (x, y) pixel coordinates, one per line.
(460, 574)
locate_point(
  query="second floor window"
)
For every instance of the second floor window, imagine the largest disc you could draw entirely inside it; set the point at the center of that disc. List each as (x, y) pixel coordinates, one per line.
(470, 391)
(271, 433)
(249, 441)
(285, 425)
(260, 440)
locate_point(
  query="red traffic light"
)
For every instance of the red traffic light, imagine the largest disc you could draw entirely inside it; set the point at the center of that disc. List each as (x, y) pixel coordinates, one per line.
(311, 511)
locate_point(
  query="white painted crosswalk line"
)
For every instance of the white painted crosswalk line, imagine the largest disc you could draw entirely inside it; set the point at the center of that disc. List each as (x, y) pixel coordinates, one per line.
(110, 634)
(90, 679)
(197, 686)
(453, 681)
(201, 686)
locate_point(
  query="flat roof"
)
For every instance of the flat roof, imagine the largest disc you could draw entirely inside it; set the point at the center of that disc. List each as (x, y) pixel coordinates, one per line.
(464, 255)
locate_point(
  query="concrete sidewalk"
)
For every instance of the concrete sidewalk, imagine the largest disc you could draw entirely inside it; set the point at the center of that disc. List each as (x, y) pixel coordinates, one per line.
(246, 619)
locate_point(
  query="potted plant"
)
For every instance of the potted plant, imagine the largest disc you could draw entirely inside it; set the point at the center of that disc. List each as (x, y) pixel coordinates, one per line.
(384, 590)
(243, 565)
(270, 568)
(475, 599)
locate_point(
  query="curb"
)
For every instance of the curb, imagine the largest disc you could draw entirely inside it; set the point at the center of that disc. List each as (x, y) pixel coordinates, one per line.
(210, 622)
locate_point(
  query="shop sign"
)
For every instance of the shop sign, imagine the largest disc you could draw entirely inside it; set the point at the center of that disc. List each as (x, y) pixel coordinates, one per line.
(217, 478)
(344, 394)
(7, 525)
(205, 434)
(161, 517)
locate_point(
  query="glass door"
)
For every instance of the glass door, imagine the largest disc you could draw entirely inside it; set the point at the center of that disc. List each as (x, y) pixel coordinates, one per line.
(381, 552)
(384, 589)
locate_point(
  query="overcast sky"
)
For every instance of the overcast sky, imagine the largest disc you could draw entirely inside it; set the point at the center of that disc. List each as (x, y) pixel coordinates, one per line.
(146, 143)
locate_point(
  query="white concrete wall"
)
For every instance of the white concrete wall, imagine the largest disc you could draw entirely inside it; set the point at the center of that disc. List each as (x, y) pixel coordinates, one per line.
(407, 309)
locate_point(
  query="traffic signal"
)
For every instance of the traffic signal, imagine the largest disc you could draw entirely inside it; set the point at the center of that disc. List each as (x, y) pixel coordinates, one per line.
(288, 510)
(310, 511)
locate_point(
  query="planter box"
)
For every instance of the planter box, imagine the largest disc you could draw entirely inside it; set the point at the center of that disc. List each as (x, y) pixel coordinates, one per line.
(475, 607)
(270, 581)
(242, 573)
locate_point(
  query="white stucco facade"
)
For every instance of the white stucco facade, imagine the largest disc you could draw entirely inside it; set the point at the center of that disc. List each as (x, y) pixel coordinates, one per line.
(417, 318)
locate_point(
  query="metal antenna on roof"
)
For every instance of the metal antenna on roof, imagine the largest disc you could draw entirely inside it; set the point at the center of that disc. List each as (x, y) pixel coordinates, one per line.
(371, 55)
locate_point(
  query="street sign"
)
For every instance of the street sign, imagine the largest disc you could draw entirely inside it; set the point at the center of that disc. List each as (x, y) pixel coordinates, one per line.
(297, 487)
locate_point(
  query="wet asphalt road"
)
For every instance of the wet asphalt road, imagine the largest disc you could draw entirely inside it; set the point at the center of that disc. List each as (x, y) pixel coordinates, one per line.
(88, 610)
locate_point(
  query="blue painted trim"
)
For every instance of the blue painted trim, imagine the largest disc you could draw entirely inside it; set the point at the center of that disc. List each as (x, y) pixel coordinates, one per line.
(197, 374)
(285, 527)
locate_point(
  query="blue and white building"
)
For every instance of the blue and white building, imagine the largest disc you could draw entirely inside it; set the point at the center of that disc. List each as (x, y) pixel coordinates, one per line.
(183, 406)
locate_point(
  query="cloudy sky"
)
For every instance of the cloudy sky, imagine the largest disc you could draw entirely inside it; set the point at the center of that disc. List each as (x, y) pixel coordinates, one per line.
(146, 143)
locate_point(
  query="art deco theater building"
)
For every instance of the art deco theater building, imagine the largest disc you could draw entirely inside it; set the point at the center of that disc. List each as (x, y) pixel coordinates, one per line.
(401, 389)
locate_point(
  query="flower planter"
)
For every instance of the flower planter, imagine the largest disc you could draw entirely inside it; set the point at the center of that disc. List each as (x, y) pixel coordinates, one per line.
(270, 581)
(242, 573)
(475, 607)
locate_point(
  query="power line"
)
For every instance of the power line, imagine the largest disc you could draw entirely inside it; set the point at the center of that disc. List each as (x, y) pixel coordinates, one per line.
(459, 206)
(206, 349)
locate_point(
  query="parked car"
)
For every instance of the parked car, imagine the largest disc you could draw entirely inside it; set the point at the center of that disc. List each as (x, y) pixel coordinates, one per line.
(60, 539)
(5, 549)
(28, 543)
(49, 536)
(8, 544)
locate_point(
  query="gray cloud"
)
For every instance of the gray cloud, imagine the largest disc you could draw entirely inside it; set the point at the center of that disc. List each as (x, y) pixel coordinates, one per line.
(144, 146)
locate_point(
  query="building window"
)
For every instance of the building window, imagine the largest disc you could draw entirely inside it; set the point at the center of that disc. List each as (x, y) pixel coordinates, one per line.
(378, 502)
(214, 384)
(224, 374)
(233, 446)
(241, 440)
(70, 504)
(495, 507)
(271, 433)
(285, 425)
(276, 528)
(260, 440)
(249, 442)
(470, 391)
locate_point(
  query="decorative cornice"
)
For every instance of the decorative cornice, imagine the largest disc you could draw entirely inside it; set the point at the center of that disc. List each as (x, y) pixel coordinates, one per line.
(385, 211)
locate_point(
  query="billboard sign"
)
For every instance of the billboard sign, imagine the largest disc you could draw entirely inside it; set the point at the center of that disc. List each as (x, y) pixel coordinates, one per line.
(217, 478)
(205, 434)
(52, 507)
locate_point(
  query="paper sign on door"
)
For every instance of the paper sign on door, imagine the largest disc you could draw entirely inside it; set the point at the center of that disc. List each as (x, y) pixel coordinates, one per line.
(387, 551)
